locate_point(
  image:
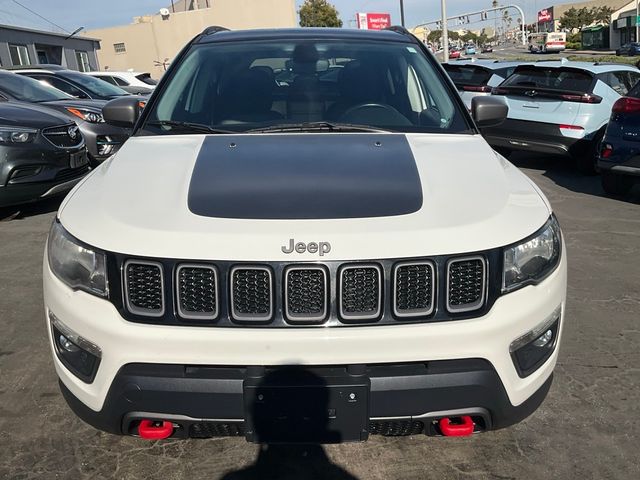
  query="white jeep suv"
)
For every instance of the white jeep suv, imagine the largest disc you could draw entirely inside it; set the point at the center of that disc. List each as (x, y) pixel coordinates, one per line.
(306, 239)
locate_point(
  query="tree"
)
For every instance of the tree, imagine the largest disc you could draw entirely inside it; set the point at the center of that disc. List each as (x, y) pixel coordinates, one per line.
(602, 15)
(319, 13)
(434, 36)
(577, 19)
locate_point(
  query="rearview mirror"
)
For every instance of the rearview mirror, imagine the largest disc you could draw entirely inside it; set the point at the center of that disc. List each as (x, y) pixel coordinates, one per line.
(488, 111)
(122, 112)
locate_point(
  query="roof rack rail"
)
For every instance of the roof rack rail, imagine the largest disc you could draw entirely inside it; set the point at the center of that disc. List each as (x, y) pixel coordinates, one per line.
(399, 29)
(37, 66)
(214, 29)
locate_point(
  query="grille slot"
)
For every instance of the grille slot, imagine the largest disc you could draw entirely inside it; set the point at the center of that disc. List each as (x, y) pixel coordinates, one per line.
(414, 289)
(216, 429)
(251, 293)
(61, 136)
(71, 173)
(466, 284)
(305, 294)
(144, 288)
(360, 292)
(395, 428)
(197, 290)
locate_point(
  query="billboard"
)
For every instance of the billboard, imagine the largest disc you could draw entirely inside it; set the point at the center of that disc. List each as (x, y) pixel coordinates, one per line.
(373, 21)
(545, 15)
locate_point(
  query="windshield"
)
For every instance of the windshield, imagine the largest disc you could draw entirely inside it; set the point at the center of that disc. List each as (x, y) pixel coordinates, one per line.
(247, 86)
(468, 75)
(29, 90)
(561, 79)
(94, 85)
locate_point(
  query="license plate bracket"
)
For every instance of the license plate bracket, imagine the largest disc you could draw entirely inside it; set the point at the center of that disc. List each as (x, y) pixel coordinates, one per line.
(300, 406)
(78, 159)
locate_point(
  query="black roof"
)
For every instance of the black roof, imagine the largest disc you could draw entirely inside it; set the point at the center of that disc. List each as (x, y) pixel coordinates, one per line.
(221, 35)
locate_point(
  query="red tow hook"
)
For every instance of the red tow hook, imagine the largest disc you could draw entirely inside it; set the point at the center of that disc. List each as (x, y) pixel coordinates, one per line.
(458, 429)
(155, 430)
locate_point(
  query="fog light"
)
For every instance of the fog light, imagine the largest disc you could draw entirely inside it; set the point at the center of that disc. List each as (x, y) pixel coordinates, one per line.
(79, 355)
(531, 350)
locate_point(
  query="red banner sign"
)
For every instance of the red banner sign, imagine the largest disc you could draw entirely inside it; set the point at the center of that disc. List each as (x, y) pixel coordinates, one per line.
(373, 21)
(545, 15)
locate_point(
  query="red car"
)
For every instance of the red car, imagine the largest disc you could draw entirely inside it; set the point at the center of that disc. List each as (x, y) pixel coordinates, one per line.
(454, 53)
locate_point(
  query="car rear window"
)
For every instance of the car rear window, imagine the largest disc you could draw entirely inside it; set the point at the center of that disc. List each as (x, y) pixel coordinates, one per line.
(561, 79)
(468, 75)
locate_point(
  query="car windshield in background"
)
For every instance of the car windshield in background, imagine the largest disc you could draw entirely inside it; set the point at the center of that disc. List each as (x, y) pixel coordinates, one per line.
(297, 83)
(561, 79)
(29, 90)
(95, 85)
(467, 75)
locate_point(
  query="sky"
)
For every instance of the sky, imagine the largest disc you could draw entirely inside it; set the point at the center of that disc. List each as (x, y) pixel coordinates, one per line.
(91, 14)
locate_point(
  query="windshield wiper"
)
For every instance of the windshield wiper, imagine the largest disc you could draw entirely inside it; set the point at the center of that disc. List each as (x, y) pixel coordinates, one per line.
(189, 126)
(316, 126)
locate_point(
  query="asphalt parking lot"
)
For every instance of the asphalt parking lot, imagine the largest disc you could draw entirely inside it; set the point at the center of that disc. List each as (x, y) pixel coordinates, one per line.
(589, 426)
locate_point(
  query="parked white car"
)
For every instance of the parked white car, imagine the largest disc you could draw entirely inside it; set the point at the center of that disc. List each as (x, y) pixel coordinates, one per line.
(133, 82)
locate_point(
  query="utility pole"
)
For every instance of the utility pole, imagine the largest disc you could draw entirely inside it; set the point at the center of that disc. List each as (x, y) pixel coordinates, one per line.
(402, 12)
(445, 33)
(637, 27)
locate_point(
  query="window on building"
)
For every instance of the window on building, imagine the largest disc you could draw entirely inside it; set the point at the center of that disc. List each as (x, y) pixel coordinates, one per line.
(119, 47)
(19, 55)
(83, 61)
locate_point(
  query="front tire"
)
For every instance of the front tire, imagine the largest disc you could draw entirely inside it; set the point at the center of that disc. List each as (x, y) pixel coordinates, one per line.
(616, 184)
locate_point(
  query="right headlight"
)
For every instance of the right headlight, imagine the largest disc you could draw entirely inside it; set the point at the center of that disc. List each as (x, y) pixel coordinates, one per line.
(77, 265)
(533, 259)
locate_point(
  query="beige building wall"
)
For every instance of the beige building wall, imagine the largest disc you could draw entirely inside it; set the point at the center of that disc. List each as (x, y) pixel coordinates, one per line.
(154, 39)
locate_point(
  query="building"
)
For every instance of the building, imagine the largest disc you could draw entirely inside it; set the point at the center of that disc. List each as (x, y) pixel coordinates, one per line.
(549, 18)
(151, 41)
(623, 26)
(25, 46)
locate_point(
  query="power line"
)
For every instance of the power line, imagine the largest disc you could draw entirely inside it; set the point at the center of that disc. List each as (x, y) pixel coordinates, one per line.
(40, 16)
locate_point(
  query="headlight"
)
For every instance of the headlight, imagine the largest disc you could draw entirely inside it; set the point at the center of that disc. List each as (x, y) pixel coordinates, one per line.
(17, 134)
(90, 116)
(533, 259)
(78, 266)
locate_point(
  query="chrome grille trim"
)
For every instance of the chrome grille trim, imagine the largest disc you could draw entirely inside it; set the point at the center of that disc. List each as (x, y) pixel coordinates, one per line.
(137, 310)
(197, 315)
(305, 317)
(355, 316)
(250, 317)
(483, 296)
(414, 312)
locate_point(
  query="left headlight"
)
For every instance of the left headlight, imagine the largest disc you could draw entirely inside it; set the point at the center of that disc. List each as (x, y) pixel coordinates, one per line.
(533, 259)
(17, 134)
(90, 116)
(77, 265)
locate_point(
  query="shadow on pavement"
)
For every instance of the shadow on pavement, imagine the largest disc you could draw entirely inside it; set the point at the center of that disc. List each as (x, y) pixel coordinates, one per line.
(563, 172)
(279, 411)
(19, 212)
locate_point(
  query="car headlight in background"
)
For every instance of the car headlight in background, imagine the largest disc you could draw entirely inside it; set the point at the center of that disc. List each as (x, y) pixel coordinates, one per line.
(91, 116)
(533, 259)
(77, 265)
(10, 134)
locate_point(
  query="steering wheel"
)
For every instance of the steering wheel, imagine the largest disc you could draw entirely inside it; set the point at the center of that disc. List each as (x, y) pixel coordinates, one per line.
(375, 114)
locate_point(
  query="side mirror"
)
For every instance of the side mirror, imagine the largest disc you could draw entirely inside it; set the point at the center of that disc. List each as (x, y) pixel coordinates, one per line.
(488, 111)
(122, 112)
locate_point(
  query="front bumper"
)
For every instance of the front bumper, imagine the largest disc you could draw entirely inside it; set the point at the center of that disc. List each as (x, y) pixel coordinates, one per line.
(171, 371)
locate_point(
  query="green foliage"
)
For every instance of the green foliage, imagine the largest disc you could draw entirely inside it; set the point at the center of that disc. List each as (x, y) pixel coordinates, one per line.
(574, 45)
(576, 19)
(434, 35)
(319, 13)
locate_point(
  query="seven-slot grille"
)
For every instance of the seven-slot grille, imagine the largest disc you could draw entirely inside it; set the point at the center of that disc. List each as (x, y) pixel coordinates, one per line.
(144, 288)
(466, 284)
(305, 293)
(251, 293)
(360, 292)
(414, 289)
(299, 294)
(197, 290)
(66, 136)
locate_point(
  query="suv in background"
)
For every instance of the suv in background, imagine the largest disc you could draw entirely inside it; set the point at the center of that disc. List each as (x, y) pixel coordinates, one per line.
(619, 160)
(133, 82)
(76, 84)
(306, 261)
(42, 153)
(560, 107)
(475, 78)
(629, 49)
(101, 138)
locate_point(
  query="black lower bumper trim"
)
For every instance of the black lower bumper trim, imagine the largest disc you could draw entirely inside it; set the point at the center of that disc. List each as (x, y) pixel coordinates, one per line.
(209, 401)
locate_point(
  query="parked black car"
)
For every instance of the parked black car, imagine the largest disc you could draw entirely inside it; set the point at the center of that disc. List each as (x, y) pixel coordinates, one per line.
(619, 160)
(101, 138)
(74, 83)
(42, 153)
(629, 49)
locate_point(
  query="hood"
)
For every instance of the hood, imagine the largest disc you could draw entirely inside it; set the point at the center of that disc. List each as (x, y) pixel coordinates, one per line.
(77, 103)
(29, 115)
(243, 197)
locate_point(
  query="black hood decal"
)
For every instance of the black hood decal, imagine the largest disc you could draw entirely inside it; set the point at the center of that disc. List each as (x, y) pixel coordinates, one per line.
(299, 176)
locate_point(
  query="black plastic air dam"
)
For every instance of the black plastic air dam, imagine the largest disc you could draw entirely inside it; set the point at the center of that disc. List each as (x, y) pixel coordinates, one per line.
(300, 176)
(397, 391)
